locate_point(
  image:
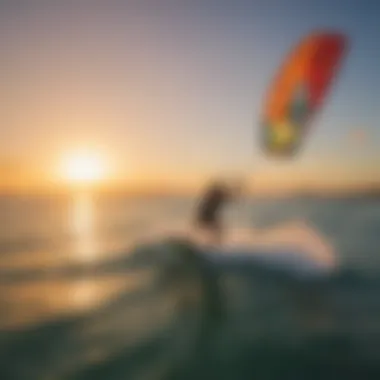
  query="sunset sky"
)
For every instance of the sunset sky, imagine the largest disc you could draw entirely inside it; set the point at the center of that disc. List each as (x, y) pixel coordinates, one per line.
(171, 92)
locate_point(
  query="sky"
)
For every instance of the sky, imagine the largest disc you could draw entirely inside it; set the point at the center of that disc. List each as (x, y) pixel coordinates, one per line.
(172, 91)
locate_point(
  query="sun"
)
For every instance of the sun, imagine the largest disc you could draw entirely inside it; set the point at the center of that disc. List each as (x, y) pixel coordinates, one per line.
(83, 168)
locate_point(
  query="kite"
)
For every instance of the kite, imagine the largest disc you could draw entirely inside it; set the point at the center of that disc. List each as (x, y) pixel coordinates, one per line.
(299, 90)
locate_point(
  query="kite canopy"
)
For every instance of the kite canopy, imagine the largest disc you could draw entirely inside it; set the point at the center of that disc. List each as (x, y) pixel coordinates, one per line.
(299, 90)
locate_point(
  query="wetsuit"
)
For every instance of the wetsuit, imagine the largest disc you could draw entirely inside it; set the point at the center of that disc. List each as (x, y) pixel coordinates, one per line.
(209, 208)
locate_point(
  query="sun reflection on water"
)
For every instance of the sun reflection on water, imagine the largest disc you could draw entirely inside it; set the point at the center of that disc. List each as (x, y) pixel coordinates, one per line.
(82, 221)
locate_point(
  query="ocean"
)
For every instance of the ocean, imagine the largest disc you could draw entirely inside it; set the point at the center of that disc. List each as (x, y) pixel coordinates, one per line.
(85, 295)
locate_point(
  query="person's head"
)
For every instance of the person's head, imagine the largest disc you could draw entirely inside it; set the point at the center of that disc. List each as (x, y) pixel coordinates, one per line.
(233, 186)
(217, 184)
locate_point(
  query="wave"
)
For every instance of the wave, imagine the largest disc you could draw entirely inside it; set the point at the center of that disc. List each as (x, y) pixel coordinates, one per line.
(209, 314)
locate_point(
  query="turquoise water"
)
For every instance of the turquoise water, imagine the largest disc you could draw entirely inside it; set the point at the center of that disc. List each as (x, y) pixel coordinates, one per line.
(78, 300)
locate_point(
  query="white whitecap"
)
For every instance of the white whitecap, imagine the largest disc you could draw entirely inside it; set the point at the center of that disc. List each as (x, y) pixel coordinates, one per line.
(296, 247)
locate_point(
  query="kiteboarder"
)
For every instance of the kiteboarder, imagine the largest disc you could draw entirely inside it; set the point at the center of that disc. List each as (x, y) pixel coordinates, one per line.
(208, 213)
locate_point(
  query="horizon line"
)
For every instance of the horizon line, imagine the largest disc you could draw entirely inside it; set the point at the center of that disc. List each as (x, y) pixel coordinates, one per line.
(170, 190)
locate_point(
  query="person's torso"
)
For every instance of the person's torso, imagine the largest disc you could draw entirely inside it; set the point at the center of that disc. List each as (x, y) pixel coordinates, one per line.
(212, 202)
